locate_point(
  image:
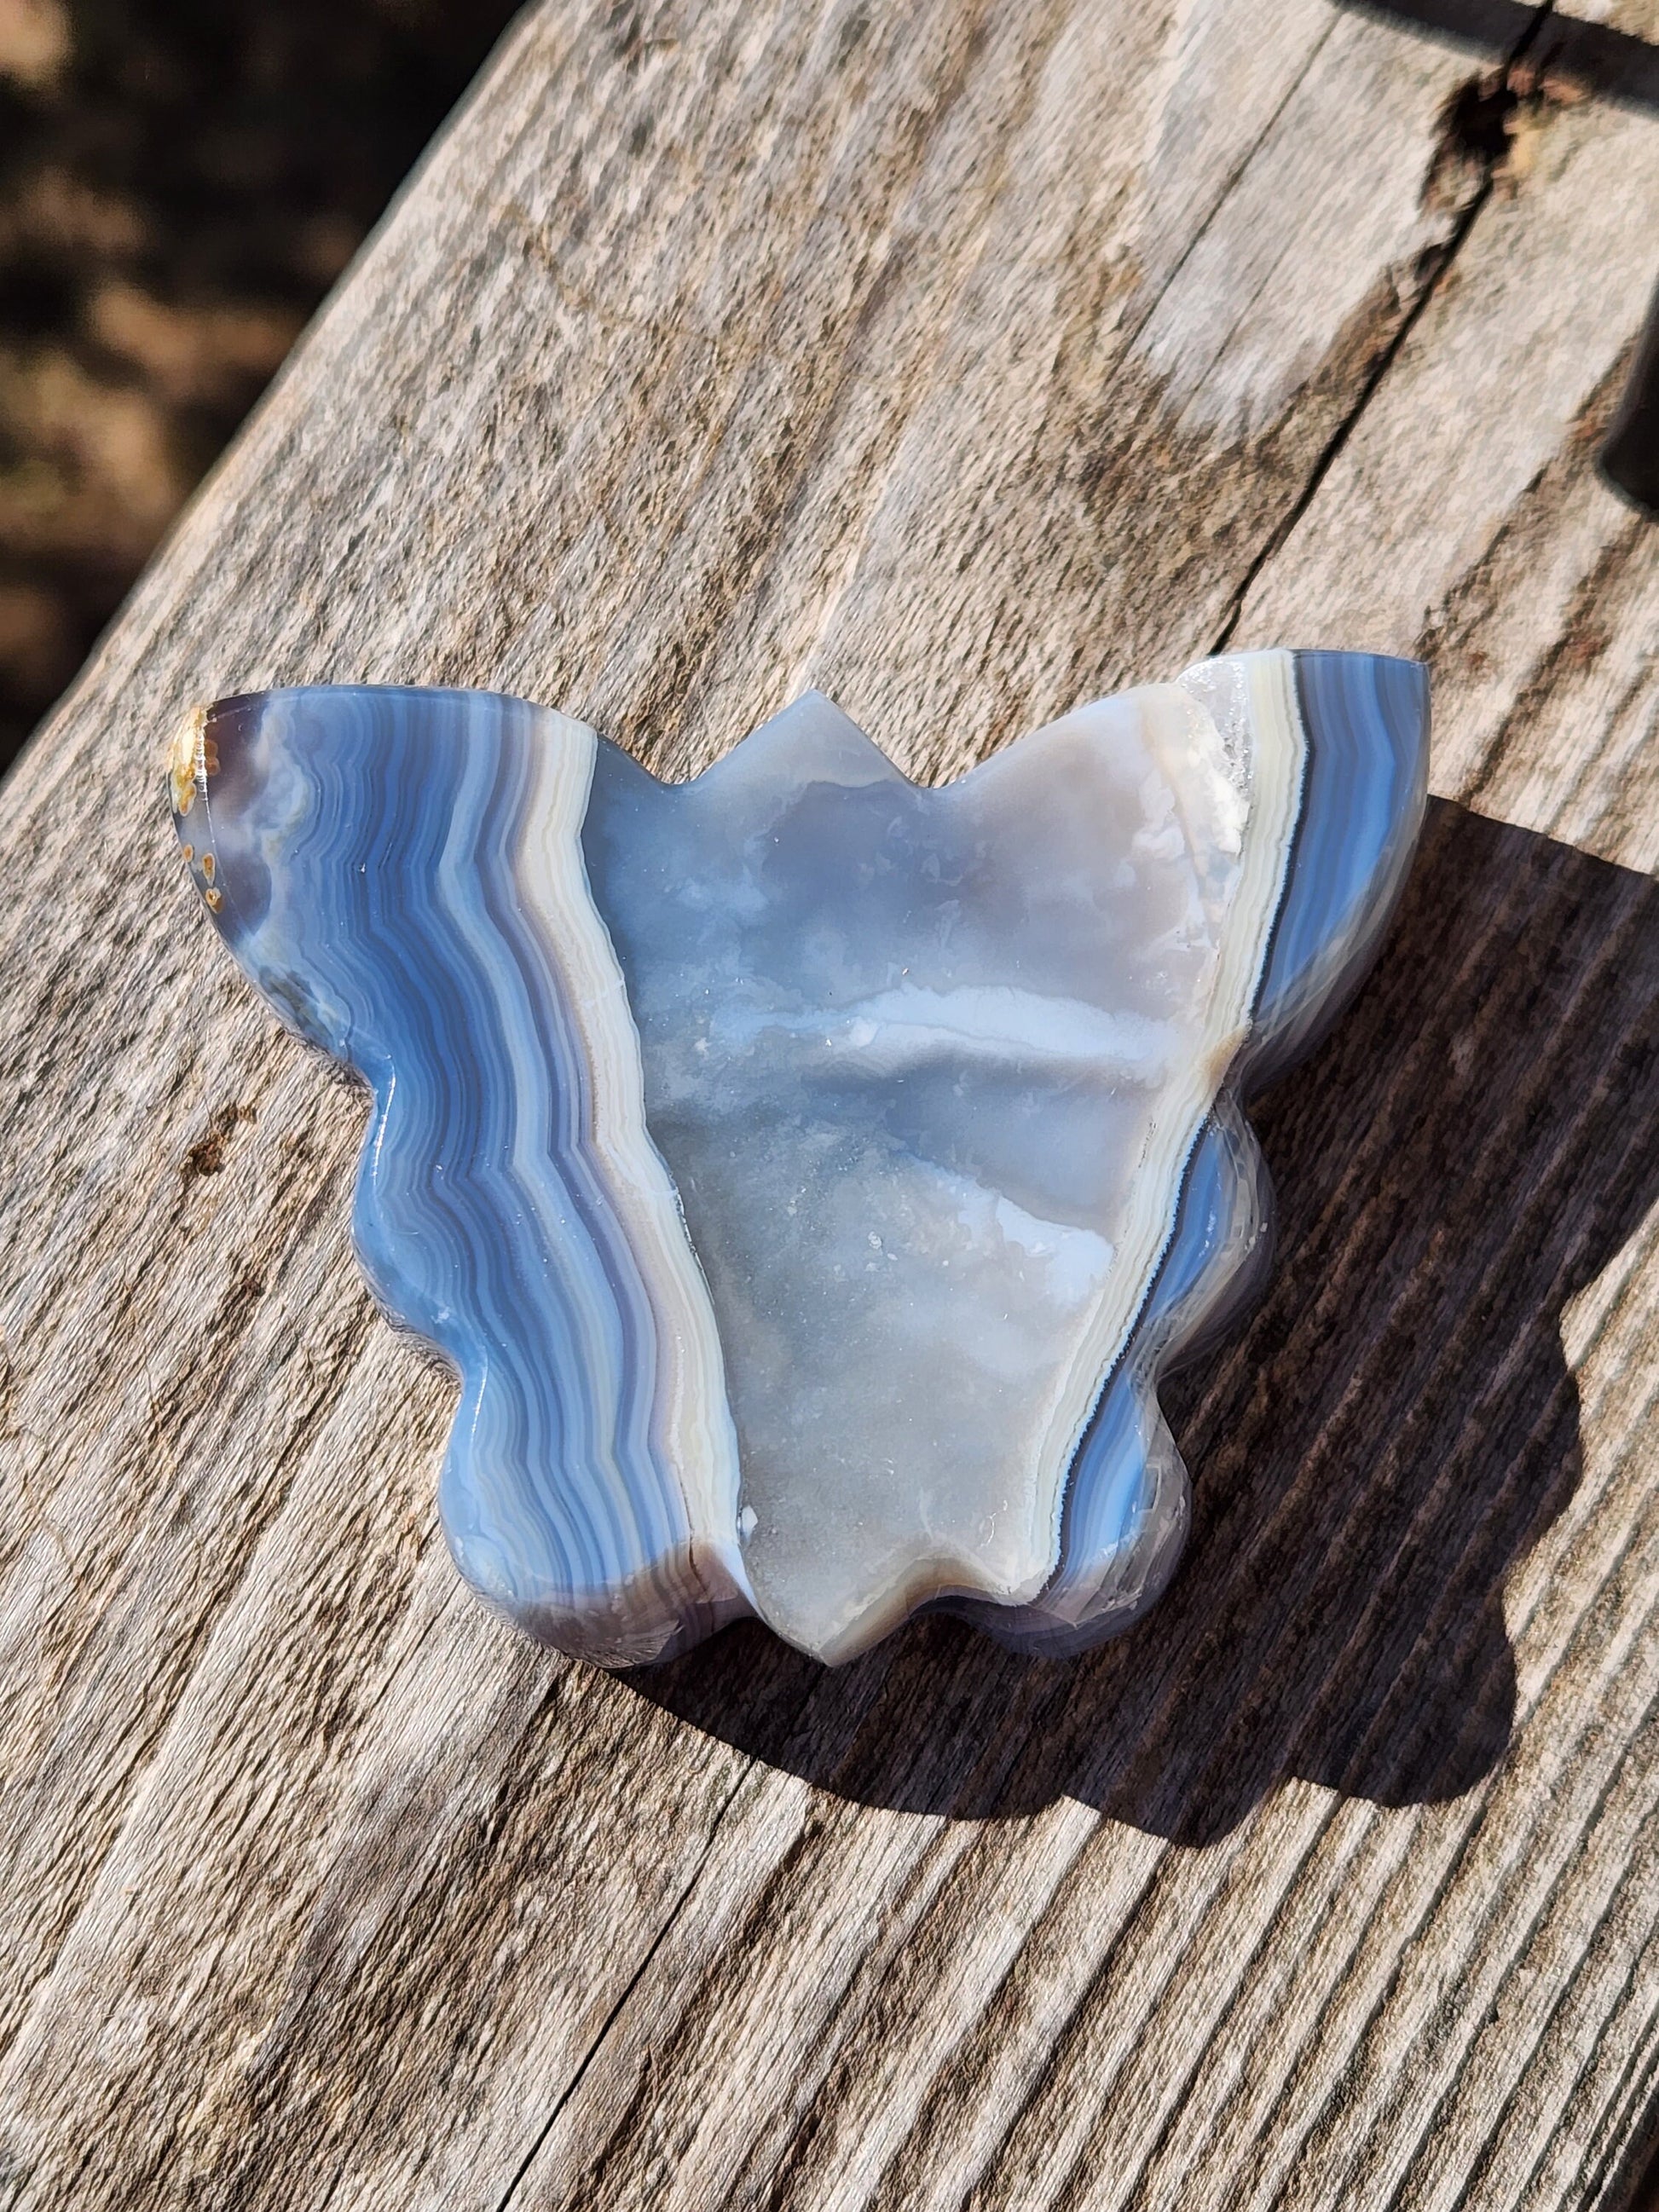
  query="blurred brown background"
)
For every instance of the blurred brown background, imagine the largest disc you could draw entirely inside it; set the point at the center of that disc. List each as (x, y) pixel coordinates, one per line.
(179, 183)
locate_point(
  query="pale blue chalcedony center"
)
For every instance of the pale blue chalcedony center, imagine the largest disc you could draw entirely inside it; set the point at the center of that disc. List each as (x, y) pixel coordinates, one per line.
(926, 1065)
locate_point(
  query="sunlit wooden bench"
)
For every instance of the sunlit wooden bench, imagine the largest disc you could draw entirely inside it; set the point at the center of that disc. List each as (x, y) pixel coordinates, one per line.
(966, 361)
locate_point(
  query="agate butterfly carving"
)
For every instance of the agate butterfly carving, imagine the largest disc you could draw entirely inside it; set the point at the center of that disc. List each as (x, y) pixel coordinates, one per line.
(808, 1174)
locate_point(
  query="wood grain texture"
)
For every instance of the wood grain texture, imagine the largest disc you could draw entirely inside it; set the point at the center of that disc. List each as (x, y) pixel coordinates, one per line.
(965, 359)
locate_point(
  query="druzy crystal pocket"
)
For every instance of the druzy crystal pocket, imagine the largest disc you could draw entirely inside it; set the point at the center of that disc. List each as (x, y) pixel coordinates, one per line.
(808, 1175)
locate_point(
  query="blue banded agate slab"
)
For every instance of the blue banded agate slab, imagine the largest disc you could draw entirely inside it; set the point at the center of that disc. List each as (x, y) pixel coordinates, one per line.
(809, 1175)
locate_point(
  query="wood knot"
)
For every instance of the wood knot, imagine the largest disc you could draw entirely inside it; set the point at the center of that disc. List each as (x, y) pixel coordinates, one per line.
(207, 1154)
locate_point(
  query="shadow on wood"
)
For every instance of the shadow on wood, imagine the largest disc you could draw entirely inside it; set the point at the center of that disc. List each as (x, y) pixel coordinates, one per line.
(1629, 459)
(1613, 64)
(1475, 1145)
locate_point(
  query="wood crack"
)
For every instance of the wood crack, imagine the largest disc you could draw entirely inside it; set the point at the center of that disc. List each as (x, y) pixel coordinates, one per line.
(1430, 278)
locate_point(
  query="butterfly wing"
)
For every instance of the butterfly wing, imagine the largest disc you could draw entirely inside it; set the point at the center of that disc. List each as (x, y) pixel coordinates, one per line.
(399, 873)
(1364, 720)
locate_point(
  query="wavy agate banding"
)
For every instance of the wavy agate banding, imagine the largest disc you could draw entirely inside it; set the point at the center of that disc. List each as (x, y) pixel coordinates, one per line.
(808, 1174)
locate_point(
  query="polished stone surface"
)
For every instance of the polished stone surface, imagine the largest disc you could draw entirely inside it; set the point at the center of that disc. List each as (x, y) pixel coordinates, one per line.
(807, 1174)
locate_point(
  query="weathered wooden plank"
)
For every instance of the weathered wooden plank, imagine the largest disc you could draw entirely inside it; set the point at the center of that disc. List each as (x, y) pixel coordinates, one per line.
(1532, 591)
(964, 359)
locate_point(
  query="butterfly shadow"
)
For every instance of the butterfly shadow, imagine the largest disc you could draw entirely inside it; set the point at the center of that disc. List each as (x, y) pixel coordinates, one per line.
(1390, 1437)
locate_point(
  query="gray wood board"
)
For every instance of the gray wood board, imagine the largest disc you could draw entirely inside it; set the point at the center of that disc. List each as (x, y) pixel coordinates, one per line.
(964, 360)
